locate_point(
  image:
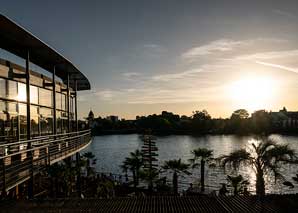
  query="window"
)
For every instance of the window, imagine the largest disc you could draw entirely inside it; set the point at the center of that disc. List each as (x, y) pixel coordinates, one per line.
(45, 97)
(23, 120)
(12, 90)
(58, 100)
(46, 120)
(22, 95)
(33, 95)
(11, 123)
(63, 102)
(3, 118)
(34, 121)
(2, 88)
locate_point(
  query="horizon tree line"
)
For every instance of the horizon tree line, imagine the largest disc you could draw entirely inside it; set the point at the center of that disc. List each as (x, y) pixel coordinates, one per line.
(200, 122)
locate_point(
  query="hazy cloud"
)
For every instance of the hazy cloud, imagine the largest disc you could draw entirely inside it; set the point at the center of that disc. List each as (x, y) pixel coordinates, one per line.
(269, 55)
(224, 45)
(130, 75)
(284, 13)
(295, 70)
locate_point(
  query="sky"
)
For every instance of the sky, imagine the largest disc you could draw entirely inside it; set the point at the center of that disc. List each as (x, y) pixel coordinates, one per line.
(143, 57)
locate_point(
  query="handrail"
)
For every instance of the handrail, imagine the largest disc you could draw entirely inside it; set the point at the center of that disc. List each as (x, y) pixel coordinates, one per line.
(43, 138)
(44, 151)
(22, 151)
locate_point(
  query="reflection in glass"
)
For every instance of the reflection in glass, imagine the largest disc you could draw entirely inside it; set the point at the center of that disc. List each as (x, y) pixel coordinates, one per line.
(2, 120)
(46, 121)
(45, 97)
(58, 100)
(11, 123)
(62, 122)
(34, 121)
(22, 96)
(2, 88)
(59, 122)
(34, 94)
(23, 120)
(12, 90)
(63, 102)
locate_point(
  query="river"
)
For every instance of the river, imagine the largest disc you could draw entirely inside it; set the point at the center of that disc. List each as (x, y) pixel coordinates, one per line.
(111, 150)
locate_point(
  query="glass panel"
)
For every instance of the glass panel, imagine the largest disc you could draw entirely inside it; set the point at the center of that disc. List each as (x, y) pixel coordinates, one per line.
(46, 121)
(12, 90)
(59, 122)
(63, 102)
(58, 100)
(12, 108)
(45, 97)
(62, 122)
(2, 88)
(34, 121)
(71, 104)
(10, 122)
(3, 119)
(23, 120)
(33, 94)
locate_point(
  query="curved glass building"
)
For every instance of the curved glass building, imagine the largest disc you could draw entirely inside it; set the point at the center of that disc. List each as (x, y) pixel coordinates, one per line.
(38, 109)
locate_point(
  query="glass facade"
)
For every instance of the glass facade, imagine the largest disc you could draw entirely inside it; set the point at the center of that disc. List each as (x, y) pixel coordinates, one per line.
(13, 111)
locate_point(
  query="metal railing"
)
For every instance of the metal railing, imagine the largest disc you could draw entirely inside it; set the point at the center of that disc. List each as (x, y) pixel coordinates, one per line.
(23, 159)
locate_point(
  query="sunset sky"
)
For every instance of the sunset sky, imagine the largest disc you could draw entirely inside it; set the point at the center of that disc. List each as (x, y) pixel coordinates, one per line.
(143, 57)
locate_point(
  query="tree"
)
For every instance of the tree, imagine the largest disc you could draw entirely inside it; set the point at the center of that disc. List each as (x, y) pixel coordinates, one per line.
(238, 183)
(203, 155)
(240, 114)
(134, 164)
(90, 157)
(177, 167)
(201, 115)
(264, 158)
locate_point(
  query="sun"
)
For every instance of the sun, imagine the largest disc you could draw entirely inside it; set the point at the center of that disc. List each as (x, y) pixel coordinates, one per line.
(252, 93)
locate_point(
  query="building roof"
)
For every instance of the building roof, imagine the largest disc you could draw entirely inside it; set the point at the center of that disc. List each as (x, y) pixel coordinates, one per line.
(17, 40)
(216, 204)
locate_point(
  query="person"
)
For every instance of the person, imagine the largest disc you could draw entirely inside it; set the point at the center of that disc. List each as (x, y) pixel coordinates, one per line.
(223, 190)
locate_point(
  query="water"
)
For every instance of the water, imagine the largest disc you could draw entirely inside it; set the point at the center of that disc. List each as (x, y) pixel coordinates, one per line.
(111, 150)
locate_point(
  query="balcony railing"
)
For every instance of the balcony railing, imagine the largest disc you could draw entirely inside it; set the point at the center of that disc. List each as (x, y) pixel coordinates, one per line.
(23, 159)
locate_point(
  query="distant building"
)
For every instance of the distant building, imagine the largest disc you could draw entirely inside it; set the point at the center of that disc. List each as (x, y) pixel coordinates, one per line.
(90, 119)
(113, 118)
(285, 119)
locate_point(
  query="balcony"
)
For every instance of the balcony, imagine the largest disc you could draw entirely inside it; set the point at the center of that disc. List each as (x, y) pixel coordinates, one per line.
(23, 159)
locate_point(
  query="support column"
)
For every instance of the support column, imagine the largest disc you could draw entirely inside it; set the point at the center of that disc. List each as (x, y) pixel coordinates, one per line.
(78, 158)
(28, 97)
(54, 102)
(76, 106)
(68, 108)
(29, 154)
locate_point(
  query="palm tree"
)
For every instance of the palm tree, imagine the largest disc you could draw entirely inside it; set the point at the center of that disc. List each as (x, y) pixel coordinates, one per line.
(238, 183)
(90, 157)
(149, 176)
(177, 167)
(134, 164)
(264, 158)
(204, 155)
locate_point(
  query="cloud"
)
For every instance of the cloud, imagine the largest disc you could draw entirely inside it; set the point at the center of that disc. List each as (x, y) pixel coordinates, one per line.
(284, 13)
(130, 75)
(172, 76)
(220, 45)
(295, 70)
(269, 55)
(224, 45)
(106, 94)
(151, 51)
